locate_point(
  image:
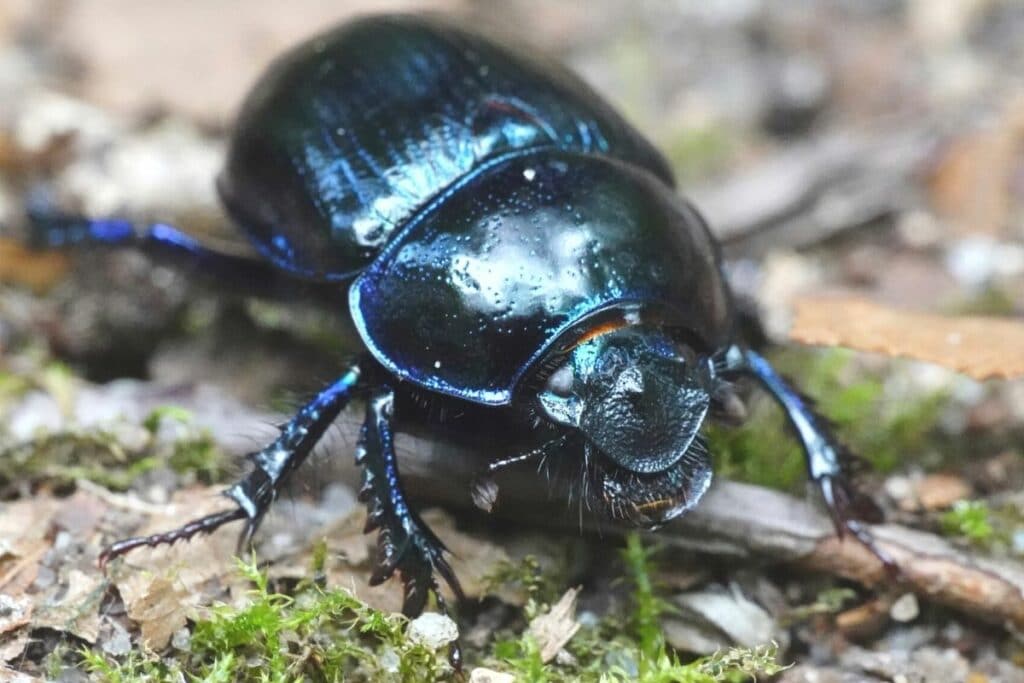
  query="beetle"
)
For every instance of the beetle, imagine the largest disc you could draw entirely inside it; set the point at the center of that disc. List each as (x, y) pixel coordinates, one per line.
(515, 261)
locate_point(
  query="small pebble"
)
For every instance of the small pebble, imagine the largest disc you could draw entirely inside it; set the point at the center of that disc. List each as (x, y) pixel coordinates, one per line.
(1017, 541)
(182, 640)
(11, 608)
(905, 608)
(482, 675)
(899, 487)
(940, 491)
(389, 661)
(119, 643)
(432, 630)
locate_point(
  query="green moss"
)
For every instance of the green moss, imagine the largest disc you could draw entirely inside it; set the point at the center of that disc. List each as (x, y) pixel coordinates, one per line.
(828, 601)
(132, 668)
(634, 649)
(995, 528)
(613, 651)
(12, 387)
(654, 662)
(700, 151)
(746, 454)
(884, 433)
(162, 414)
(52, 377)
(312, 634)
(540, 588)
(61, 458)
(992, 300)
(321, 635)
(648, 608)
(970, 519)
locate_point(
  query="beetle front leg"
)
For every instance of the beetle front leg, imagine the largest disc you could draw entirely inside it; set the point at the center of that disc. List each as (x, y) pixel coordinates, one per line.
(827, 459)
(405, 543)
(273, 464)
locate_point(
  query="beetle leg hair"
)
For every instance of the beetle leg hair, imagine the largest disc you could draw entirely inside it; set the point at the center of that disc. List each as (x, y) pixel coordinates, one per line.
(255, 493)
(405, 543)
(828, 461)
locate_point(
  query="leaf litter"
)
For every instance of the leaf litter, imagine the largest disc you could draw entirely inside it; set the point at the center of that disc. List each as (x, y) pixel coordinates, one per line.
(977, 346)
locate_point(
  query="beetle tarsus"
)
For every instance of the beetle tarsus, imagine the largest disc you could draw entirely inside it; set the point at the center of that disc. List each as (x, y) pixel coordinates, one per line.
(840, 502)
(455, 648)
(203, 525)
(405, 543)
(828, 462)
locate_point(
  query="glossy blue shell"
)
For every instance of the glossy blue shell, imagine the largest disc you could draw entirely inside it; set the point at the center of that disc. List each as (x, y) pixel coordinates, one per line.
(483, 202)
(476, 289)
(347, 136)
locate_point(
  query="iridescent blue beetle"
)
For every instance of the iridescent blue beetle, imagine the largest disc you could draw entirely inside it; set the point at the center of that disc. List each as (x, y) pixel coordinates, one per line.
(515, 261)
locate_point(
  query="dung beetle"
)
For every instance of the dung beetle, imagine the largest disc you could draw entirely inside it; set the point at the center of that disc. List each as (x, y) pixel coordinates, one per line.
(517, 265)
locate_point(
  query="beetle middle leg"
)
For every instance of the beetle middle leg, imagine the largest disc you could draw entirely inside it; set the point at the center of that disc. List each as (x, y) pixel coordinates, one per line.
(827, 460)
(404, 543)
(273, 464)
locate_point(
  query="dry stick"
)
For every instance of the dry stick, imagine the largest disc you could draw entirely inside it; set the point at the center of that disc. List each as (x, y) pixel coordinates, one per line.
(734, 520)
(819, 188)
(740, 521)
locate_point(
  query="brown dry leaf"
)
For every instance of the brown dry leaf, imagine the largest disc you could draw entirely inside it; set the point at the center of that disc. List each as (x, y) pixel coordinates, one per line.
(482, 675)
(68, 604)
(162, 610)
(864, 621)
(77, 611)
(21, 572)
(15, 612)
(983, 348)
(972, 184)
(13, 646)
(9, 675)
(13, 15)
(554, 629)
(38, 270)
(24, 539)
(24, 522)
(162, 587)
(940, 491)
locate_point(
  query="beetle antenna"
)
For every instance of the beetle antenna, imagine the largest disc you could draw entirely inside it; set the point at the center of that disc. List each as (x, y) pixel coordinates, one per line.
(539, 451)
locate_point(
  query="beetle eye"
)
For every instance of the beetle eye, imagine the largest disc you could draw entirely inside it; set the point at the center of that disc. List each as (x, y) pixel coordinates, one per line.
(561, 381)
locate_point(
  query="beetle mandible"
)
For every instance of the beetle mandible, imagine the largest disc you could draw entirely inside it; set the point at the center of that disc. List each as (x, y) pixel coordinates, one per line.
(510, 248)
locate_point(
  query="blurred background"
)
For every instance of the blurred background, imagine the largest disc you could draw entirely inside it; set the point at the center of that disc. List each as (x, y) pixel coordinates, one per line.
(789, 123)
(866, 146)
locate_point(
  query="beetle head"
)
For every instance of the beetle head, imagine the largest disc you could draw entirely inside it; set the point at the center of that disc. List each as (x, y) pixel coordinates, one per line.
(638, 397)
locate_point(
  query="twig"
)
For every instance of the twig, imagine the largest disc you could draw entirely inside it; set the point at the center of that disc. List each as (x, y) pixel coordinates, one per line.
(747, 522)
(819, 188)
(740, 521)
